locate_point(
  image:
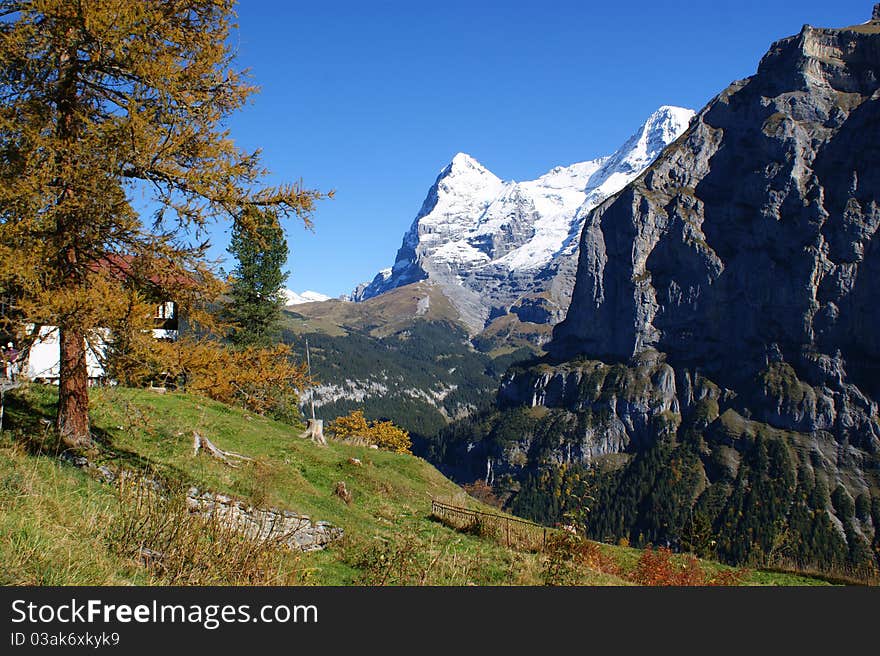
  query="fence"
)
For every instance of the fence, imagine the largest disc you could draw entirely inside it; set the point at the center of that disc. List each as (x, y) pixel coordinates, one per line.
(838, 575)
(511, 531)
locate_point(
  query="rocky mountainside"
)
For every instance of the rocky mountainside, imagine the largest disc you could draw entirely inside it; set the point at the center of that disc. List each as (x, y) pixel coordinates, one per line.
(499, 247)
(717, 371)
(778, 269)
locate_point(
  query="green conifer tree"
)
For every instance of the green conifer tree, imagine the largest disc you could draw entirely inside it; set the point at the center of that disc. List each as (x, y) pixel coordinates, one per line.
(257, 286)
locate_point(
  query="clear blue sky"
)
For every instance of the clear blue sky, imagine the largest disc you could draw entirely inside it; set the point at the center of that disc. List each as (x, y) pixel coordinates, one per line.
(372, 99)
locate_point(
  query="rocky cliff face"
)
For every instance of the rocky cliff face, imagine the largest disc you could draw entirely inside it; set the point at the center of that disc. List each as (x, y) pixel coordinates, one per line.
(720, 356)
(750, 244)
(498, 247)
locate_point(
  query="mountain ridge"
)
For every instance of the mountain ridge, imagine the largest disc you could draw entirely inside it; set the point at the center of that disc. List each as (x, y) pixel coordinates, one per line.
(716, 373)
(293, 298)
(491, 243)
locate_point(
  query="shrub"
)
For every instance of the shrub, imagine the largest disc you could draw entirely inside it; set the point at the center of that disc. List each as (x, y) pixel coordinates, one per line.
(658, 567)
(383, 434)
(266, 381)
(568, 554)
(481, 491)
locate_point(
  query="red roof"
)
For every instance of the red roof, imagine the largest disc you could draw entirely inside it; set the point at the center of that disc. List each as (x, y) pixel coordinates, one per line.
(126, 267)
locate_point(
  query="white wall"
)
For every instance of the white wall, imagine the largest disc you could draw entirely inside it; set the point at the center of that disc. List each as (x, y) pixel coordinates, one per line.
(45, 355)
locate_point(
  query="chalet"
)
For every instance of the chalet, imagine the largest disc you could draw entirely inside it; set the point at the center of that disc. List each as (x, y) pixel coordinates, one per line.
(44, 356)
(41, 361)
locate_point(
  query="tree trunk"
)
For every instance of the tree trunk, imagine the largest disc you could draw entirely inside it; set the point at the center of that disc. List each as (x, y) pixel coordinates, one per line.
(73, 390)
(72, 421)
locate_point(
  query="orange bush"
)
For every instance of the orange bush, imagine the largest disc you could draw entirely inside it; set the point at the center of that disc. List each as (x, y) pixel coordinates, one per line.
(263, 380)
(657, 567)
(351, 425)
(481, 491)
(567, 554)
(383, 434)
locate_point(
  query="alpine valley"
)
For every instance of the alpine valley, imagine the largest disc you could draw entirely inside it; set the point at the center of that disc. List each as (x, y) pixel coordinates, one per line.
(484, 272)
(680, 337)
(658, 366)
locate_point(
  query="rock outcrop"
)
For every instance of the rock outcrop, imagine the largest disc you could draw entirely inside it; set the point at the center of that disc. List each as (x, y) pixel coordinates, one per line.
(749, 247)
(297, 532)
(284, 527)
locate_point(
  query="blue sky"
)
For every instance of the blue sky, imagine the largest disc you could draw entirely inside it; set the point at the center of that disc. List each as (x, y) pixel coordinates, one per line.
(372, 99)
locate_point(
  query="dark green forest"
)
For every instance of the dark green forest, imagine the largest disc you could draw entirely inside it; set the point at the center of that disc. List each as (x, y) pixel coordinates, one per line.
(747, 499)
(429, 356)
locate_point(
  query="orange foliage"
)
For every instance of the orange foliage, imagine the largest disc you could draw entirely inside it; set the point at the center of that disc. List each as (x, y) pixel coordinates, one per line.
(383, 434)
(263, 380)
(481, 491)
(351, 425)
(568, 554)
(657, 567)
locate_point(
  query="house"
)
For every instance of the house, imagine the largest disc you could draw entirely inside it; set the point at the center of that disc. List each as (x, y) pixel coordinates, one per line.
(43, 362)
(44, 355)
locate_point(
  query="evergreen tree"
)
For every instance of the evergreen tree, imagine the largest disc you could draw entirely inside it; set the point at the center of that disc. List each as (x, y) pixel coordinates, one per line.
(99, 101)
(257, 290)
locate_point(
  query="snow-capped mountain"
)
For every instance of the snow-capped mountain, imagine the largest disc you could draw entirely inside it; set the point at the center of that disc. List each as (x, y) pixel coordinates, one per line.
(498, 247)
(306, 297)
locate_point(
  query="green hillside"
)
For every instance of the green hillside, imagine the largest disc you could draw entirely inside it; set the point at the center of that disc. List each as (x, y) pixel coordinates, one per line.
(61, 526)
(403, 355)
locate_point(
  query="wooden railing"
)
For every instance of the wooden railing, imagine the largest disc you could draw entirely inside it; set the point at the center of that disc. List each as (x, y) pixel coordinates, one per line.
(513, 532)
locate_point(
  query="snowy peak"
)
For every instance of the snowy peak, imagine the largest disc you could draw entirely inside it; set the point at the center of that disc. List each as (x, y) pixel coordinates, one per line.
(492, 243)
(464, 165)
(461, 182)
(669, 121)
(662, 128)
(638, 152)
(293, 298)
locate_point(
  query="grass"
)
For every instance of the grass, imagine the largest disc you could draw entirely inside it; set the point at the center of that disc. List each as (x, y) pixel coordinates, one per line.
(59, 526)
(379, 316)
(52, 522)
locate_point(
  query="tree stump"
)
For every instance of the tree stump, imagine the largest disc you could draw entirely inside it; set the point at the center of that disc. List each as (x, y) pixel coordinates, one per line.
(315, 431)
(230, 458)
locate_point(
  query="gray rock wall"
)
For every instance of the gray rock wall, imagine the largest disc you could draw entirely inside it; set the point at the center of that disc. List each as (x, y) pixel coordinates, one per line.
(752, 240)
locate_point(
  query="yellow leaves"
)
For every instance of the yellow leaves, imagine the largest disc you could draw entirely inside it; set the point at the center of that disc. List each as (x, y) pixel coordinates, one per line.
(142, 111)
(263, 380)
(352, 425)
(260, 379)
(383, 434)
(390, 437)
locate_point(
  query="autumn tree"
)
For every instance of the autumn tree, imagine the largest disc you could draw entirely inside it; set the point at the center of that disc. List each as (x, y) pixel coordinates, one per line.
(101, 103)
(257, 281)
(264, 380)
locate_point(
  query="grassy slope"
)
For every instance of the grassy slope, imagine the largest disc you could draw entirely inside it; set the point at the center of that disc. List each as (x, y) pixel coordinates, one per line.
(379, 316)
(55, 520)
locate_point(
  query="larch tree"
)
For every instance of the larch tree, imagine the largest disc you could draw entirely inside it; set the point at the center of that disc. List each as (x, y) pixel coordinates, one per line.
(257, 281)
(103, 102)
